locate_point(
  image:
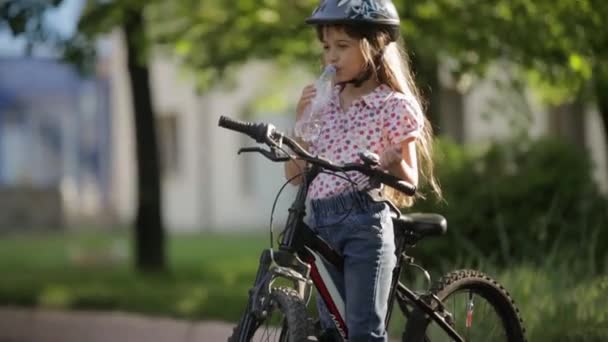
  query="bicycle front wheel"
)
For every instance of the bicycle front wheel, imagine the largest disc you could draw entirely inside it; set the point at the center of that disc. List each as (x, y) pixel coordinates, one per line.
(477, 307)
(287, 320)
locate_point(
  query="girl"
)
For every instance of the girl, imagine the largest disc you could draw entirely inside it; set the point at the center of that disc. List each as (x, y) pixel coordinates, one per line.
(374, 107)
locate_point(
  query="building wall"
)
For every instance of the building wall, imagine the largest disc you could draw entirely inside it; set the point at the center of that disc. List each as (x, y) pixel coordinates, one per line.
(123, 149)
(239, 189)
(172, 95)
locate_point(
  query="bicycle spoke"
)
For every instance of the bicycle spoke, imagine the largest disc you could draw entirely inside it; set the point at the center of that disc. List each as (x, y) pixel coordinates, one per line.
(270, 330)
(470, 306)
(473, 318)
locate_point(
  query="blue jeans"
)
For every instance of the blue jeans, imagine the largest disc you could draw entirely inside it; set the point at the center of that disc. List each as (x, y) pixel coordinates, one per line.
(365, 238)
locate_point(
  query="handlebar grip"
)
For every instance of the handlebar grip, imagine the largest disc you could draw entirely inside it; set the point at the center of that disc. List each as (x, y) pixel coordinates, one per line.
(255, 131)
(404, 187)
(235, 125)
(396, 183)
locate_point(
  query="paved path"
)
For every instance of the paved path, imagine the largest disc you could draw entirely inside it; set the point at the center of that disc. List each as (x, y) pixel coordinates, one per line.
(32, 325)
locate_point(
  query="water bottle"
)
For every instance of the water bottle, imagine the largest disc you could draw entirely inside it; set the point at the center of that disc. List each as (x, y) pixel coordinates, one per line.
(308, 127)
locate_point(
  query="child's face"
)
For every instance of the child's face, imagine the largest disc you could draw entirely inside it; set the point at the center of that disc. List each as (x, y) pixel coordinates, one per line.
(343, 52)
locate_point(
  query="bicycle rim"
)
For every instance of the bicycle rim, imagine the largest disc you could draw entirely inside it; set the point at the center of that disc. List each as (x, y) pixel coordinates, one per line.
(475, 305)
(272, 329)
(473, 317)
(286, 319)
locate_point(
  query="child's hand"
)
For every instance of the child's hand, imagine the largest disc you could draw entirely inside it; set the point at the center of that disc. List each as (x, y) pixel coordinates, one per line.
(308, 93)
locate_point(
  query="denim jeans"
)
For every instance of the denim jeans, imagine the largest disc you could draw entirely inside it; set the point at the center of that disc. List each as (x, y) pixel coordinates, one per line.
(364, 237)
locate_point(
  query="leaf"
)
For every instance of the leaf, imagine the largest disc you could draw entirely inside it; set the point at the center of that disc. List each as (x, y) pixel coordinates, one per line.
(183, 47)
(101, 18)
(579, 64)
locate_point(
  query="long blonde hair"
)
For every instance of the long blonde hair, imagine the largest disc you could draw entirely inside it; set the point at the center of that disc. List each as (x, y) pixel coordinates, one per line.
(389, 64)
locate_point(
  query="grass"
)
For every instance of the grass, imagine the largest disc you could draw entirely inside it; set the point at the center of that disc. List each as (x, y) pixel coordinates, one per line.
(210, 275)
(558, 304)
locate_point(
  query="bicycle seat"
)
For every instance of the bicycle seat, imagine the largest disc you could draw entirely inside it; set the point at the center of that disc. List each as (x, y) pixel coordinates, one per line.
(420, 224)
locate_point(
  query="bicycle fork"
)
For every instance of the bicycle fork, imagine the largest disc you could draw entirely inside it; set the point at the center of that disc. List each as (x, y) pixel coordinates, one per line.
(260, 291)
(273, 265)
(254, 311)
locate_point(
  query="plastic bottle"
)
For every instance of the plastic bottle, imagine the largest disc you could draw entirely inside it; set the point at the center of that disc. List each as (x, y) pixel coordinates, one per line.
(308, 127)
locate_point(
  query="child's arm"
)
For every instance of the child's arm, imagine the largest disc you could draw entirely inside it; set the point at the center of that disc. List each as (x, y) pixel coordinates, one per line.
(401, 161)
(403, 128)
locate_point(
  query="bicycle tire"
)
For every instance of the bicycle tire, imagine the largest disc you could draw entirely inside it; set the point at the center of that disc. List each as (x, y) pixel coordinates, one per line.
(477, 283)
(297, 325)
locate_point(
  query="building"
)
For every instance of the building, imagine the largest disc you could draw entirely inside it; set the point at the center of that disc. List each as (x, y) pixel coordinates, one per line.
(54, 144)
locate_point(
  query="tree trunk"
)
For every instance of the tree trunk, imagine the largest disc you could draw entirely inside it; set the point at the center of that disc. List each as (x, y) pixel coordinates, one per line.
(149, 232)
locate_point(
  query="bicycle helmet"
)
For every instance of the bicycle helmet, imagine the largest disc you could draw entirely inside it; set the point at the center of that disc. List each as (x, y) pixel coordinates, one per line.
(374, 12)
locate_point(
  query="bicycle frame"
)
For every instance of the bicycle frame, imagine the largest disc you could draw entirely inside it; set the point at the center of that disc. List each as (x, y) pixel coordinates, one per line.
(301, 257)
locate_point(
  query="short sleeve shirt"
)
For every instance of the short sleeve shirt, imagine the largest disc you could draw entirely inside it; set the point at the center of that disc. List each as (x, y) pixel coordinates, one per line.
(373, 122)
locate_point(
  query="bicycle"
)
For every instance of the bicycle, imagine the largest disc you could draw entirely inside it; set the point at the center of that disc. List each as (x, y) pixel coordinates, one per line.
(432, 315)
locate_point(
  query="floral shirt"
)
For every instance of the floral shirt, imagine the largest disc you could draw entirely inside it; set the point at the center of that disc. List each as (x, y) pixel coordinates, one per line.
(373, 122)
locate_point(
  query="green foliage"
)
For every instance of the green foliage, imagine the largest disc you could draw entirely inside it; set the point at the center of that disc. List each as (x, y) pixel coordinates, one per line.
(212, 36)
(520, 201)
(562, 41)
(562, 44)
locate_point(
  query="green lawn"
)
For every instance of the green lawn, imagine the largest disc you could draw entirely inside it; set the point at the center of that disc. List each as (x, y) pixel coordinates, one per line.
(210, 275)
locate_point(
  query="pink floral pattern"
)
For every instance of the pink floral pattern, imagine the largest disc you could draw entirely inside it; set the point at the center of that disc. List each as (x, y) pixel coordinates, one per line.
(372, 122)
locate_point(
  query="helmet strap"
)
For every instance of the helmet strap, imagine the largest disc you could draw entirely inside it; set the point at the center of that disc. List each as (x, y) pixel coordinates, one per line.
(364, 75)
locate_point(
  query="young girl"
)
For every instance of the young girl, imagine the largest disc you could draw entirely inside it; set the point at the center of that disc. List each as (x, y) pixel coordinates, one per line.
(374, 107)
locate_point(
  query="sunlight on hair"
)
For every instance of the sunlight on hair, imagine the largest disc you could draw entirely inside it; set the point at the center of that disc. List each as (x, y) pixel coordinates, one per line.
(399, 77)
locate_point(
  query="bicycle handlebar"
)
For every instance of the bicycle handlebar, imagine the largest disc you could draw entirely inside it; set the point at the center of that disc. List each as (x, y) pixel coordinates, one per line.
(269, 135)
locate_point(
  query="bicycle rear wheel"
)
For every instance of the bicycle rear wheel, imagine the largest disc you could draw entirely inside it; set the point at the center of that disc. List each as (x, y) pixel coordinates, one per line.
(287, 320)
(479, 308)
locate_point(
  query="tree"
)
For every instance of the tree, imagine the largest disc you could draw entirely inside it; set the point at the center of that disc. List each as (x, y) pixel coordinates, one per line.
(211, 36)
(26, 18)
(561, 46)
(149, 229)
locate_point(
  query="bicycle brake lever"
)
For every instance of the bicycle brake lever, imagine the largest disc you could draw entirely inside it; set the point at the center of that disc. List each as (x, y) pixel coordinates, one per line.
(272, 155)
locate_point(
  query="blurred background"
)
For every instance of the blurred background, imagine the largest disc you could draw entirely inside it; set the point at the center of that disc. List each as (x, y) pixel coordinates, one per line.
(118, 192)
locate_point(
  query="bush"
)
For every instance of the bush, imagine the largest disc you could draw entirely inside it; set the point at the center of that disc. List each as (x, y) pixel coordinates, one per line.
(556, 306)
(519, 201)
